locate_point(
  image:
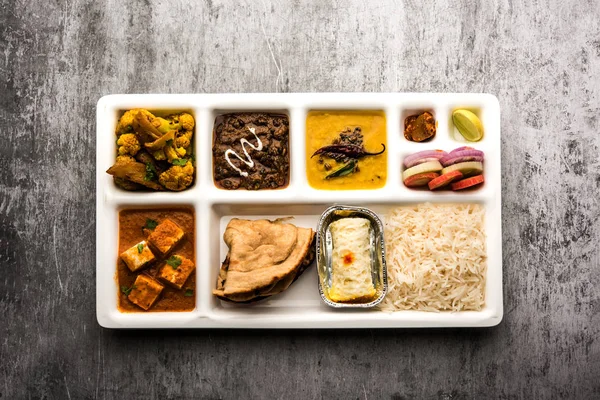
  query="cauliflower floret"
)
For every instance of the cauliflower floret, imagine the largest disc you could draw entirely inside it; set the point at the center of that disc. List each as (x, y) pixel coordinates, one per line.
(176, 122)
(164, 125)
(170, 153)
(126, 121)
(124, 159)
(186, 121)
(184, 140)
(128, 144)
(177, 178)
(159, 155)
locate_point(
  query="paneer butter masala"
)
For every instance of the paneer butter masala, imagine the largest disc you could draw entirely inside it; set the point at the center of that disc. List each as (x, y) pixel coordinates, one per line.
(156, 265)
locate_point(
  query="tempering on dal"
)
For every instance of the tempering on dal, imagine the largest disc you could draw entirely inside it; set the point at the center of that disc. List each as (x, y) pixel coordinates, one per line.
(363, 129)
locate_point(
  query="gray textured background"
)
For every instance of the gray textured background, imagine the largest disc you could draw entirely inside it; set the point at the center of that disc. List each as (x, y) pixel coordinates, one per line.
(541, 60)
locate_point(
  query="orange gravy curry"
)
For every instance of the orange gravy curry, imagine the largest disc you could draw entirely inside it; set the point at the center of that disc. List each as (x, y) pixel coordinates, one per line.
(136, 226)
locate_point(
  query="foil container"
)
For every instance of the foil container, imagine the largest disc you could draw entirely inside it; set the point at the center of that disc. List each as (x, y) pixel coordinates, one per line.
(325, 247)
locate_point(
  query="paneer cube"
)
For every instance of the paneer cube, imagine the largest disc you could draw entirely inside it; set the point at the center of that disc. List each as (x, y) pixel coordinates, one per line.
(176, 271)
(145, 291)
(138, 256)
(165, 236)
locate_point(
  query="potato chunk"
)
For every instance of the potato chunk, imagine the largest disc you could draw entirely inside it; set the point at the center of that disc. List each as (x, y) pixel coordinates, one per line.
(138, 256)
(175, 273)
(145, 291)
(165, 236)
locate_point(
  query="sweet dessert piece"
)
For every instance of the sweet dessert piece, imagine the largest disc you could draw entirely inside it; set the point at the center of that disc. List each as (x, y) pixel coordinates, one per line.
(351, 261)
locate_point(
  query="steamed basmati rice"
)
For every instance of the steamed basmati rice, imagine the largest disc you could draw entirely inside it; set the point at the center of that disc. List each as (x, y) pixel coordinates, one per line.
(436, 258)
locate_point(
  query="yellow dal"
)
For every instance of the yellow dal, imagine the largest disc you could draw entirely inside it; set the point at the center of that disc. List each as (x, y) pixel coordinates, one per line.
(322, 127)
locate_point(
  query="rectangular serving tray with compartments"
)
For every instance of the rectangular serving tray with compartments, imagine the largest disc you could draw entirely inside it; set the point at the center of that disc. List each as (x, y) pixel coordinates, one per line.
(300, 306)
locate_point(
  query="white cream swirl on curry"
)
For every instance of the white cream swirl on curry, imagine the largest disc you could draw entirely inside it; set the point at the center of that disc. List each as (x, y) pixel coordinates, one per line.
(248, 161)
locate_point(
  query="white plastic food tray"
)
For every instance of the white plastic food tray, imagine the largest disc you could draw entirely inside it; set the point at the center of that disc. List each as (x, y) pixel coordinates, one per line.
(300, 306)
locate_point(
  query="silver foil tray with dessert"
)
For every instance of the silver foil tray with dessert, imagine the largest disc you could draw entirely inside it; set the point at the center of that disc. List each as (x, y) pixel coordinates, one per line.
(351, 290)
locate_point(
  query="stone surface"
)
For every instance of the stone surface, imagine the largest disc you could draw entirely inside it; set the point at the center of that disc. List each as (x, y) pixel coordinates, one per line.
(540, 58)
